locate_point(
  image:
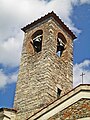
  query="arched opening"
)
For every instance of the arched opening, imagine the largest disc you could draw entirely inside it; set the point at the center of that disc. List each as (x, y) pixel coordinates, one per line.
(37, 40)
(61, 41)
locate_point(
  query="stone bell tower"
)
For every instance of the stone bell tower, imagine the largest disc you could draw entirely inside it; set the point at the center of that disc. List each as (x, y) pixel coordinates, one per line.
(46, 67)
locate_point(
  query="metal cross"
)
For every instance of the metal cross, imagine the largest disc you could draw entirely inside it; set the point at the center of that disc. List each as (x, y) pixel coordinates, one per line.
(82, 76)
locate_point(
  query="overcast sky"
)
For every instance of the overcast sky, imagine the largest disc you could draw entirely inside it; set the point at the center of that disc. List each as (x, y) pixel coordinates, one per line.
(15, 14)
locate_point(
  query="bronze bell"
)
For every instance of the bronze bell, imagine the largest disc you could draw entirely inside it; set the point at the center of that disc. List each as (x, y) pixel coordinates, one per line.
(37, 44)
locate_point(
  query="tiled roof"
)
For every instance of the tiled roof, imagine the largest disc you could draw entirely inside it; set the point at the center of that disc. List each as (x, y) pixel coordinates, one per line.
(53, 15)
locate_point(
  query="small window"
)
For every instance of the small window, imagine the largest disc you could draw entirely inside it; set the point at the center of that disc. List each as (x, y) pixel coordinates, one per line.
(37, 40)
(58, 92)
(60, 44)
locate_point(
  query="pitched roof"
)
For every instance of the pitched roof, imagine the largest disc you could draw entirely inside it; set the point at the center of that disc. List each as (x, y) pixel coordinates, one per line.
(80, 89)
(53, 15)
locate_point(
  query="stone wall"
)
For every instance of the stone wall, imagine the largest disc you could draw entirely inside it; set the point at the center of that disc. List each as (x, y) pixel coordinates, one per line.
(80, 109)
(41, 73)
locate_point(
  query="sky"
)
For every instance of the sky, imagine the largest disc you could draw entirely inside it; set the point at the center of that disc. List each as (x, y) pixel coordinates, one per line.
(15, 14)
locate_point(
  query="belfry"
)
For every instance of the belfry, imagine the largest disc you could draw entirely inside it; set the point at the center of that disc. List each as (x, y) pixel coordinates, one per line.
(46, 64)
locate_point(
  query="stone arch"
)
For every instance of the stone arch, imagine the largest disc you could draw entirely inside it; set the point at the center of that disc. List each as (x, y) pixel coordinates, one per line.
(61, 36)
(37, 33)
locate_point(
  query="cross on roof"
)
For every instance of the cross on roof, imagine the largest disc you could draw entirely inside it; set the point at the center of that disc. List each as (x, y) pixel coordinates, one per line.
(82, 76)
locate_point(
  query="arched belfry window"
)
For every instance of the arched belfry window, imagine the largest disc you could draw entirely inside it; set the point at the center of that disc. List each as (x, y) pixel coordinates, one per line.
(37, 40)
(61, 41)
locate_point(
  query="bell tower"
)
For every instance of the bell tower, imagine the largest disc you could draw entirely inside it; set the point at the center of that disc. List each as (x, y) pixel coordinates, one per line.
(46, 68)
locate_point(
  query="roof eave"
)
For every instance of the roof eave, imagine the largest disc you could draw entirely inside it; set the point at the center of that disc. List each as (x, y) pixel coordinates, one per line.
(52, 14)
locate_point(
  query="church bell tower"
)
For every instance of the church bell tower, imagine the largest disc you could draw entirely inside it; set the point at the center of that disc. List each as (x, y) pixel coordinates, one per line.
(46, 68)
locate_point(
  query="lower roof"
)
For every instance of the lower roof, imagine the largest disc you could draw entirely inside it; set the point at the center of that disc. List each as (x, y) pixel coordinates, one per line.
(80, 92)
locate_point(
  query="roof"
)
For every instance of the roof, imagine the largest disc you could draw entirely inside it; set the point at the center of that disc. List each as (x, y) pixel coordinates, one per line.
(49, 15)
(82, 91)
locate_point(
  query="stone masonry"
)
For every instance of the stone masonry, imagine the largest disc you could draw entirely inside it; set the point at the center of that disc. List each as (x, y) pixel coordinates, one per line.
(80, 109)
(41, 73)
(75, 105)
